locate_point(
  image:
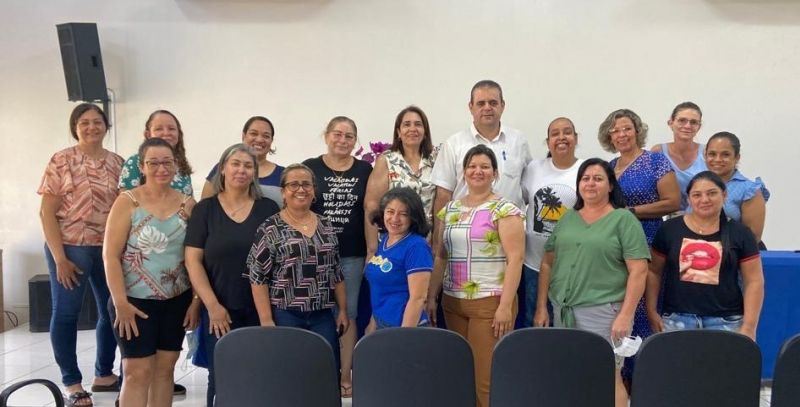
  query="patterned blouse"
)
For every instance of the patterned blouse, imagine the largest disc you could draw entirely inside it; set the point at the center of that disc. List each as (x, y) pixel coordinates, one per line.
(401, 175)
(301, 272)
(476, 261)
(131, 176)
(639, 183)
(87, 188)
(152, 264)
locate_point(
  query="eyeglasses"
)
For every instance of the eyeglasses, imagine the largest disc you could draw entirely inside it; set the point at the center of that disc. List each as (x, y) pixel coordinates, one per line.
(153, 164)
(614, 132)
(339, 134)
(295, 186)
(684, 121)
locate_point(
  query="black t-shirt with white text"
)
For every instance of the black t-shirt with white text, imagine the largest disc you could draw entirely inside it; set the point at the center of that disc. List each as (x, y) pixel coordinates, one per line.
(699, 276)
(340, 198)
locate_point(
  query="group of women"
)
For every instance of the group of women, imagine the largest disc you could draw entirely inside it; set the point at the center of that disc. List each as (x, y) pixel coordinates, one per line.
(269, 245)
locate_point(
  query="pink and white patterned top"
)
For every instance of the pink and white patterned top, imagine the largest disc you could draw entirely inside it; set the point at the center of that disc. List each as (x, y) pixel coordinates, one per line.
(476, 261)
(87, 188)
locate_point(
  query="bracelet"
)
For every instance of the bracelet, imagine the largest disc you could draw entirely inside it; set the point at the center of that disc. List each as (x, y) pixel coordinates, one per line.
(632, 209)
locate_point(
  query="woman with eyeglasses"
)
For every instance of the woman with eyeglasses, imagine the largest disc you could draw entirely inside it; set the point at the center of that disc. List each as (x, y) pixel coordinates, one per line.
(150, 289)
(73, 230)
(218, 240)
(295, 273)
(684, 154)
(164, 125)
(648, 185)
(746, 200)
(258, 134)
(339, 196)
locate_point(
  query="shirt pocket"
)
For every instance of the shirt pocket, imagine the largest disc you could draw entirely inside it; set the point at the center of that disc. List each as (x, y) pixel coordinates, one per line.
(512, 168)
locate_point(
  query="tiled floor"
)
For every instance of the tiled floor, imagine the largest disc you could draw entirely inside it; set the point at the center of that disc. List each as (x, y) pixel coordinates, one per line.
(26, 355)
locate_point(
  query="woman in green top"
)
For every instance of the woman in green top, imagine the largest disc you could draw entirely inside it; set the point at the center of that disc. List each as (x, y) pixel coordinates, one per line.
(164, 125)
(595, 263)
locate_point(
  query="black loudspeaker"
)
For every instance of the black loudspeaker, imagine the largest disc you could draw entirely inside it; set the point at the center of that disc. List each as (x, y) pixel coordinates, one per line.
(41, 305)
(83, 65)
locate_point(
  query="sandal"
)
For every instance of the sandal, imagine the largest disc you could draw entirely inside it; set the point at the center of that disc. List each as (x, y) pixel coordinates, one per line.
(76, 399)
(106, 388)
(346, 391)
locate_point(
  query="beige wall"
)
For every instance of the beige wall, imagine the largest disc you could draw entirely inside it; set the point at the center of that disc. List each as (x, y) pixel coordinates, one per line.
(215, 63)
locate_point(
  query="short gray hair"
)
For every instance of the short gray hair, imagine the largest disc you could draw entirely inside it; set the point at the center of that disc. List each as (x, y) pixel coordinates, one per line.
(604, 132)
(218, 180)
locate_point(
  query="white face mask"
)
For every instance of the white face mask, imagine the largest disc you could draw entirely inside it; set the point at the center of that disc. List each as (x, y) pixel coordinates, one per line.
(628, 346)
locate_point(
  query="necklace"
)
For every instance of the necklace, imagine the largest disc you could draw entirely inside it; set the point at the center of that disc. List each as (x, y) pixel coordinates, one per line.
(337, 174)
(618, 170)
(304, 226)
(232, 213)
(703, 230)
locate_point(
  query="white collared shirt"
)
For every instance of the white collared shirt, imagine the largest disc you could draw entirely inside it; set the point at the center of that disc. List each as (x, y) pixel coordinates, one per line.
(510, 148)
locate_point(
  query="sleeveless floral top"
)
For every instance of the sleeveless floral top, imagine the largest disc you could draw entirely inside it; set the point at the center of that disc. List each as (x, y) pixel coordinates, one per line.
(152, 264)
(401, 175)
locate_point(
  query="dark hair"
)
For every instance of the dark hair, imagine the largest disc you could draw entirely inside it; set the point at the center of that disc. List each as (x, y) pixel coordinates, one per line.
(547, 137)
(249, 123)
(604, 132)
(735, 143)
(724, 226)
(146, 145)
(486, 83)
(427, 145)
(78, 111)
(684, 106)
(339, 119)
(180, 150)
(480, 149)
(412, 201)
(615, 196)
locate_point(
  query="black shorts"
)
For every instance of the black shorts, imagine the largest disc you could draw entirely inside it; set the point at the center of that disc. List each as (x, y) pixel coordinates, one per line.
(162, 330)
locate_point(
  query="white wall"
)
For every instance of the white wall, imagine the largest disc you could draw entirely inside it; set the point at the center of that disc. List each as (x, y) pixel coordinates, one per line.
(216, 62)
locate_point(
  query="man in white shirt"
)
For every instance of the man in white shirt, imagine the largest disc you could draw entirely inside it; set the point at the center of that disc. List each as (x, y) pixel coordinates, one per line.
(486, 105)
(509, 145)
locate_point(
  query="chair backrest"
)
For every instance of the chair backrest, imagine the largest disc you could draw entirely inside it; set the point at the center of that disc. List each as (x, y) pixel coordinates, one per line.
(552, 367)
(697, 368)
(402, 367)
(52, 387)
(786, 379)
(275, 366)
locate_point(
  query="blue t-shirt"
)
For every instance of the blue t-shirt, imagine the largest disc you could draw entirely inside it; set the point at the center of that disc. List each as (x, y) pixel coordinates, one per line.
(387, 272)
(270, 185)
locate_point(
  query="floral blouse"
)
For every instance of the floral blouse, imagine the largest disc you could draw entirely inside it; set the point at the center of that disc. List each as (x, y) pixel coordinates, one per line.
(401, 175)
(152, 264)
(476, 261)
(301, 271)
(131, 176)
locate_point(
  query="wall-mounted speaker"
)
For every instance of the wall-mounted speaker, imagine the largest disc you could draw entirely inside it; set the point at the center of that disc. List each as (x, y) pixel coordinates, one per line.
(83, 64)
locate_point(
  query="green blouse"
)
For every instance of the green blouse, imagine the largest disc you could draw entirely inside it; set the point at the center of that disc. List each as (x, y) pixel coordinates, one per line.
(589, 267)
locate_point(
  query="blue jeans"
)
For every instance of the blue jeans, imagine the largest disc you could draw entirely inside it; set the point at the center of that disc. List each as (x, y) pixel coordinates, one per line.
(67, 307)
(530, 278)
(321, 322)
(353, 270)
(240, 319)
(674, 321)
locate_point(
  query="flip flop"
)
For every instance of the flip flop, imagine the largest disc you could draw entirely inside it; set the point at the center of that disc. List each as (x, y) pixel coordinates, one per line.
(106, 388)
(75, 398)
(346, 391)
